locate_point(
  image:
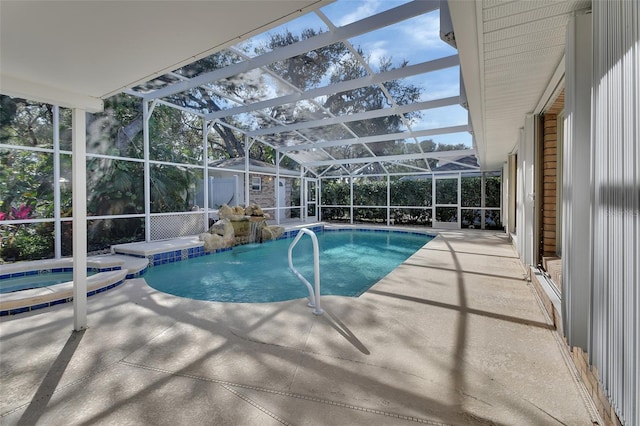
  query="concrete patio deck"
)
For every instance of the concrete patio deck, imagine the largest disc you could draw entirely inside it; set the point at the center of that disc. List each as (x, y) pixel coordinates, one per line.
(453, 336)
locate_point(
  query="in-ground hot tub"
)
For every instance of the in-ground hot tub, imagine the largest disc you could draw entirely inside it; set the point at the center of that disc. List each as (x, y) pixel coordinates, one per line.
(49, 286)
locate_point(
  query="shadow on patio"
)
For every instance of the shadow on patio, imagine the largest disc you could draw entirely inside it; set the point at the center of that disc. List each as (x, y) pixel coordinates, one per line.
(441, 344)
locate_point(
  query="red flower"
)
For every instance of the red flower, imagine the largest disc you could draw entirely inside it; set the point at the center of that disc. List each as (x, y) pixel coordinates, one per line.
(21, 213)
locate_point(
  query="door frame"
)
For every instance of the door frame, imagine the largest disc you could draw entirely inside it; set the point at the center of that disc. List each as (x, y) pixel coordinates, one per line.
(436, 204)
(307, 200)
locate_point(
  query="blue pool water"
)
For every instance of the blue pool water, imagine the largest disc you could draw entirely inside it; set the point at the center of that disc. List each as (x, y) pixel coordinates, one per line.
(350, 262)
(35, 281)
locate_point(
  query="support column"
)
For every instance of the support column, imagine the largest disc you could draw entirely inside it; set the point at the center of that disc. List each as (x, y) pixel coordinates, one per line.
(79, 200)
(576, 181)
(205, 174)
(351, 199)
(147, 170)
(57, 224)
(277, 187)
(388, 200)
(303, 195)
(247, 175)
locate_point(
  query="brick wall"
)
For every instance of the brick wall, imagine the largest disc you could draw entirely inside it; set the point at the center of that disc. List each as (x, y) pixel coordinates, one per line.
(265, 197)
(589, 375)
(549, 184)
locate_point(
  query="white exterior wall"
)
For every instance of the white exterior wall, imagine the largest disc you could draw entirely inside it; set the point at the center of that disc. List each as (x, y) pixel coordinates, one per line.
(615, 208)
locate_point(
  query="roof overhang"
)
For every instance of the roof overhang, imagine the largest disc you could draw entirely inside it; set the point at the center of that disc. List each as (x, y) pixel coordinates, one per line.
(74, 54)
(511, 57)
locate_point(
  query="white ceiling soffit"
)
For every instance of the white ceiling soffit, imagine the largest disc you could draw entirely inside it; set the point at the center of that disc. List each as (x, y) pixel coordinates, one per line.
(509, 51)
(75, 54)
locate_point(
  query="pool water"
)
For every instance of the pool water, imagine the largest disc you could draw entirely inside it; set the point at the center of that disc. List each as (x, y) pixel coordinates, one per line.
(28, 282)
(350, 263)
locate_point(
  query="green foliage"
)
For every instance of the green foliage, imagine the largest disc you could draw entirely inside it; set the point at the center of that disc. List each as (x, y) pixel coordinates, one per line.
(471, 191)
(411, 192)
(115, 187)
(172, 189)
(102, 234)
(25, 178)
(20, 242)
(492, 191)
(370, 193)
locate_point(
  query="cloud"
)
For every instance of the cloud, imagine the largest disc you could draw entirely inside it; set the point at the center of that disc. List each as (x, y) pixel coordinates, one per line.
(365, 10)
(423, 31)
(377, 50)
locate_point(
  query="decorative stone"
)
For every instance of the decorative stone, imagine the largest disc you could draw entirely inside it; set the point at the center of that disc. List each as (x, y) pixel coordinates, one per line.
(223, 227)
(214, 242)
(253, 210)
(238, 225)
(225, 211)
(272, 232)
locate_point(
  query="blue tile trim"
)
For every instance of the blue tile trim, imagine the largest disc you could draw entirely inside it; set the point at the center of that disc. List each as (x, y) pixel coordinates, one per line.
(18, 310)
(59, 301)
(54, 271)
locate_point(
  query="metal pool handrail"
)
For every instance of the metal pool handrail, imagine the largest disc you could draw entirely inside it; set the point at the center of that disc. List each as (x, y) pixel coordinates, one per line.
(314, 298)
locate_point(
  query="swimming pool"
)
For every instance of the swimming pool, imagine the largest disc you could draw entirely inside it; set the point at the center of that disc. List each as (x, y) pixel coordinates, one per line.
(351, 261)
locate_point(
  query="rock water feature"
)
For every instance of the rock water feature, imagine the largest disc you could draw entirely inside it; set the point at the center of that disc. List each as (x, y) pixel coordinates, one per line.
(239, 225)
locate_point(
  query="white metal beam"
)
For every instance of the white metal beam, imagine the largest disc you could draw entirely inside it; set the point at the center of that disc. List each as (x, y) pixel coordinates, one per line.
(344, 86)
(378, 138)
(400, 157)
(367, 115)
(380, 20)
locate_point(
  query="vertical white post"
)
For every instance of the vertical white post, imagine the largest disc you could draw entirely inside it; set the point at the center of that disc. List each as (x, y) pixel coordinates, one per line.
(303, 195)
(351, 199)
(247, 176)
(319, 198)
(459, 201)
(433, 199)
(388, 200)
(147, 171)
(576, 181)
(57, 224)
(205, 175)
(277, 186)
(79, 185)
(483, 195)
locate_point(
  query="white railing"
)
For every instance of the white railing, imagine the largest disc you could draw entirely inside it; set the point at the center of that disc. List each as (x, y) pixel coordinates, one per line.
(314, 292)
